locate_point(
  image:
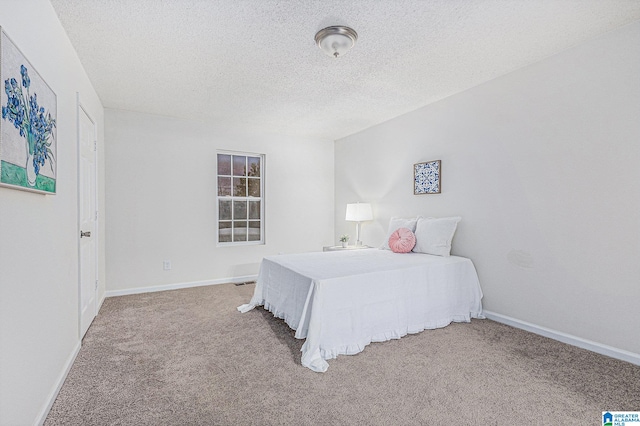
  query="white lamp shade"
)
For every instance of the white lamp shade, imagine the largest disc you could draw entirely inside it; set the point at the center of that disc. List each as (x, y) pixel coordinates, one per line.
(359, 212)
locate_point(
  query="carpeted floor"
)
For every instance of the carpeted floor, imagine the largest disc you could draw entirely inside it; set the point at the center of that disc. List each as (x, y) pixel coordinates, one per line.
(187, 357)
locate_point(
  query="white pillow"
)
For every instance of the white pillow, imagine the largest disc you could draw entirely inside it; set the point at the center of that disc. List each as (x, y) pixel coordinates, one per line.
(396, 223)
(434, 235)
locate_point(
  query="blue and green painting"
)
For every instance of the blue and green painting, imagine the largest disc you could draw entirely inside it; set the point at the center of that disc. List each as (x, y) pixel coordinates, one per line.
(27, 128)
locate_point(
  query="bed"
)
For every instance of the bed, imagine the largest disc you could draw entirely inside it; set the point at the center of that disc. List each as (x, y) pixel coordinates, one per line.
(341, 301)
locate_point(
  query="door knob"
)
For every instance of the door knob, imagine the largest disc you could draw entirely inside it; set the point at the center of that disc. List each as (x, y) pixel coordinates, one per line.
(85, 234)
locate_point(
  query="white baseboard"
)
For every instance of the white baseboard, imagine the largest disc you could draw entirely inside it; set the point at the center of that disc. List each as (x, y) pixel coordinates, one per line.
(566, 338)
(176, 286)
(54, 394)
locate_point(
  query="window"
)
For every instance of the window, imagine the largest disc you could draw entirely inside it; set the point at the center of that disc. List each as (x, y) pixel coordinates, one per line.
(240, 198)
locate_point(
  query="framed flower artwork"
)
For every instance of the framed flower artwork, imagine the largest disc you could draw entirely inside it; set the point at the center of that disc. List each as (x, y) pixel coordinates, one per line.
(427, 177)
(28, 124)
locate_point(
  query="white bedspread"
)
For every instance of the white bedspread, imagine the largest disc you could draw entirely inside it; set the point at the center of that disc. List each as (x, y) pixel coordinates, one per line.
(343, 300)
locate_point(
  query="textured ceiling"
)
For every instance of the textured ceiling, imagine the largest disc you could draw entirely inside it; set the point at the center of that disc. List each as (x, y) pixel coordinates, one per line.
(254, 63)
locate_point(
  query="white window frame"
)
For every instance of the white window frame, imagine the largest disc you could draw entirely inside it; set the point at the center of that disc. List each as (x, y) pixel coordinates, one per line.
(232, 198)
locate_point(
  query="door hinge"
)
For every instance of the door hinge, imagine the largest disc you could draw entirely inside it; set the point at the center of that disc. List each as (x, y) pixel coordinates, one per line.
(95, 145)
(96, 284)
(96, 214)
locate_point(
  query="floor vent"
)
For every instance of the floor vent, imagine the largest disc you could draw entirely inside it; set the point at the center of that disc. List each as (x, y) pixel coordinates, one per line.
(248, 282)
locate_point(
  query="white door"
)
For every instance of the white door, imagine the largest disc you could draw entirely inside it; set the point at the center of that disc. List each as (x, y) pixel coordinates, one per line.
(88, 218)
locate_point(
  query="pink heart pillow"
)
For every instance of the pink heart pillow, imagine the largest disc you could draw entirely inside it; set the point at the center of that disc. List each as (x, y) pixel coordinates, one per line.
(402, 240)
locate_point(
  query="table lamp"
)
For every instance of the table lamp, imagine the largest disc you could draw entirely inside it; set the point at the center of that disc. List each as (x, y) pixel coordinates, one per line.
(358, 212)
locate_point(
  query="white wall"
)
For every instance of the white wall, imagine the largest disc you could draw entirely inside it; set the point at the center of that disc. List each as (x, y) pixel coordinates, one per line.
(39, 233)
(161, 200)
(543, 166)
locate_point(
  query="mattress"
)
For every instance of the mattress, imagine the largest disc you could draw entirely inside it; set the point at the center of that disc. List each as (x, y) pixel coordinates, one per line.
(342, 301)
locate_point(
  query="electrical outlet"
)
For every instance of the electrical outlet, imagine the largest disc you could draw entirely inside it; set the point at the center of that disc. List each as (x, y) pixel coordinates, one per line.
(166, 265)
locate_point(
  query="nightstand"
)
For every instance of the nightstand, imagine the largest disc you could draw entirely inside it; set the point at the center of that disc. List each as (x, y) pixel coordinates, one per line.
(340, 248)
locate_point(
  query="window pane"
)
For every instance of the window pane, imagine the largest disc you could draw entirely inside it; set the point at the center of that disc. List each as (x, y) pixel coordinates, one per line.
(239, 165)
(254, 209)
(254, 187)
(239, 196)
(224, 164)
(239, 231)
(224, 186)
(239, 210)
(239, 187)
(224, 232)
(254, 231)
(254, 166)
(224, 207)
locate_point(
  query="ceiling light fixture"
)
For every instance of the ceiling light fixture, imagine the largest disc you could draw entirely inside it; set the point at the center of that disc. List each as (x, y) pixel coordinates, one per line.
(336, 41)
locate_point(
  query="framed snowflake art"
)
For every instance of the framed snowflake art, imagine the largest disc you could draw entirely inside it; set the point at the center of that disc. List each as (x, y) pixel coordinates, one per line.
(426, 177)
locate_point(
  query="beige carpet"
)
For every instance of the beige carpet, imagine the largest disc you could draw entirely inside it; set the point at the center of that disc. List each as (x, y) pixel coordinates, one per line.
(187, 357)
